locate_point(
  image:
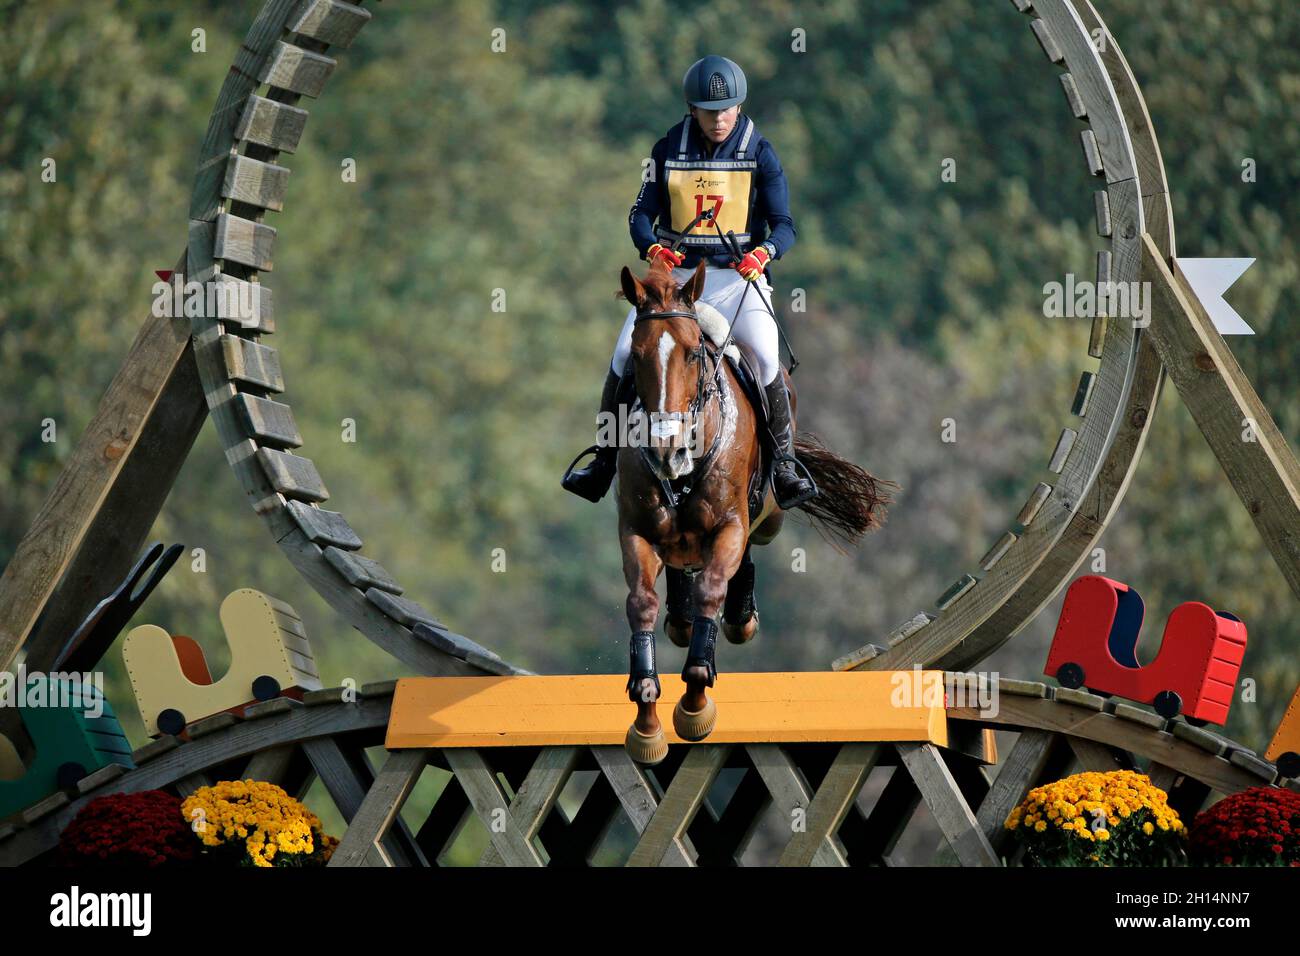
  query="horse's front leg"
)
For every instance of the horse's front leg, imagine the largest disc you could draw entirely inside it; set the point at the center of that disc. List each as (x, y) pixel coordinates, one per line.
(695, 714)
(645, 741)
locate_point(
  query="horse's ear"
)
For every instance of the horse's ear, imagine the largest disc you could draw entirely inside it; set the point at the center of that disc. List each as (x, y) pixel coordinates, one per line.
(694, 286)
(633, 290)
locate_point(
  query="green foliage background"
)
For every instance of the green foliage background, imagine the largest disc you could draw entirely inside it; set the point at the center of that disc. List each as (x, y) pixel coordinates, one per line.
(480, 171)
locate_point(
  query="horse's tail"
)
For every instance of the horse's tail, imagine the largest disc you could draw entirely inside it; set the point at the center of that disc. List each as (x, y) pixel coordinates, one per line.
(851, 501)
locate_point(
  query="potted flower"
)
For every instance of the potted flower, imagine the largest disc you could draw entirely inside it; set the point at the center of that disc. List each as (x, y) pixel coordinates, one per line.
(128, 829)
(255, 823)
(1256, 827)
(1117, 818)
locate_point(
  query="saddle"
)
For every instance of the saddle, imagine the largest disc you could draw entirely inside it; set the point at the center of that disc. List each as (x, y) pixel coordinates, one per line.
(745, 364)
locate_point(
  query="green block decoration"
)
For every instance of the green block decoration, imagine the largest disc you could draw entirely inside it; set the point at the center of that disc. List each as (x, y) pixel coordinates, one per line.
(68, 744)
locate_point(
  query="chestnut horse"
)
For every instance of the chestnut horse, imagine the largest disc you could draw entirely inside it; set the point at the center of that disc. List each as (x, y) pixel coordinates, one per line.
(702, 425)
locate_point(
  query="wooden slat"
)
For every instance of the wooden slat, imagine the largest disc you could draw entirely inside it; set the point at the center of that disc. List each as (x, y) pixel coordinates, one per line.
(638, 798)
(792, 795)
(400, 609)
(297, 70)
(361, 572)
(536, 796)
(1045, 39)
(346, 782)
(1166, 778)
(1102, 200)
(1015, 778)
(1264, 472)
(269, 422)
(379, 809)
(830, 805)
(1091, 152)
(592, 709)
(271, 764)
(187, 785)
(947, 805)
(324, 527)
(1082, 394)
(662, 838)
(1062, 450)
(256, 183)
(245, 241)
(1042, 491)
(269, 123)
(1072, 97)
(995, 553)
(955, 591)
(492, 806)
(292, 476)
(1095, 756)
(248, 362)
(248, 304)
(1097, 335)
(329, 21)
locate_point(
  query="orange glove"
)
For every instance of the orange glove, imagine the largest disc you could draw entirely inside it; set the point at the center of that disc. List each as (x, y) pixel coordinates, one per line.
(662, 253)
(752, 266)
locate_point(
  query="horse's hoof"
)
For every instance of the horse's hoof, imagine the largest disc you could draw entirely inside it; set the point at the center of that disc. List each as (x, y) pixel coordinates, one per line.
(741, 633)
(647, 750)
(695, 726)
(679, 634)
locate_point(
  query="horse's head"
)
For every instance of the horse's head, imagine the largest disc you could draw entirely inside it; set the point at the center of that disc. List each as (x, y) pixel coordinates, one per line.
(669, 364)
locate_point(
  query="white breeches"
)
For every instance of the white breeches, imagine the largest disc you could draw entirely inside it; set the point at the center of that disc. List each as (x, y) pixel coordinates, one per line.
(723, 288)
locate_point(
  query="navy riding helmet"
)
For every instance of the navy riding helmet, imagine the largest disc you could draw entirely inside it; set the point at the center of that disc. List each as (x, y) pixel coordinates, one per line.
(714, 83)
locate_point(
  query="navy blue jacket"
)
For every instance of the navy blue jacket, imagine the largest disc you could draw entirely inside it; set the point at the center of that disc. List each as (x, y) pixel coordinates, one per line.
(769, 218)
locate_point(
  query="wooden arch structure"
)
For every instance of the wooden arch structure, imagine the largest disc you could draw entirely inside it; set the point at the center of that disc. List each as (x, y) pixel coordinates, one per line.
(218, 365)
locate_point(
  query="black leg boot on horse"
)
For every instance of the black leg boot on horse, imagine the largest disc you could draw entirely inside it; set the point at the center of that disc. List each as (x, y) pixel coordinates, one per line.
(593, 481)
(696, 713)
(740, 610)
(642, 744)
(791, 482)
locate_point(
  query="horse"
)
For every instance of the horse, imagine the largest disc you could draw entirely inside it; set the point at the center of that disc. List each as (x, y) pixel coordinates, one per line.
(697, 402)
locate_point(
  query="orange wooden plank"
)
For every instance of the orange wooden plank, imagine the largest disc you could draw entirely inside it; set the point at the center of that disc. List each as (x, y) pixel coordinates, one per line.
(593, 709)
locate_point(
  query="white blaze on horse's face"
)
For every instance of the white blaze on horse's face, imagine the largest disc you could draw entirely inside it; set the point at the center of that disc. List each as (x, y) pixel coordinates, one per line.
(672, 458)
(666, 345)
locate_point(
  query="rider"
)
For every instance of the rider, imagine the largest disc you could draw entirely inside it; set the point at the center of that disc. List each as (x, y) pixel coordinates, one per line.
(714, 159)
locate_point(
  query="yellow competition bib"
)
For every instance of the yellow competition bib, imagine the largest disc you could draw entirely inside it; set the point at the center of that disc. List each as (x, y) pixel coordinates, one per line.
(724, 190)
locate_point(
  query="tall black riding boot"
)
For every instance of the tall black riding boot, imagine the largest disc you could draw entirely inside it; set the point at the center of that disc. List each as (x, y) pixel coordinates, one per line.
(593, 481)
(791, 482)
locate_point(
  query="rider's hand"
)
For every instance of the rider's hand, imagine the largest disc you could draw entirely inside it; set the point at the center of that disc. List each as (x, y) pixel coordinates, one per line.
(662, 253)
(752, 266)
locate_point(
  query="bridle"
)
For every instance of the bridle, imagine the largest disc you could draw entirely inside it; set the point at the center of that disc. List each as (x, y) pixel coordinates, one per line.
(704, 392)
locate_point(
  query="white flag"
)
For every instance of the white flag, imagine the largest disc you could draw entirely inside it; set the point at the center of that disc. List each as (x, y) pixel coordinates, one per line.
(1210, 279)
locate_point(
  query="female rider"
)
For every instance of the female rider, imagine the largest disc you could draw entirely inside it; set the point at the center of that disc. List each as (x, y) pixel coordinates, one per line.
(714, 159)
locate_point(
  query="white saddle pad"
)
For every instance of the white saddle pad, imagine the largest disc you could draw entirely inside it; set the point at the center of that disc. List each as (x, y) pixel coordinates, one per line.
(714, 324)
